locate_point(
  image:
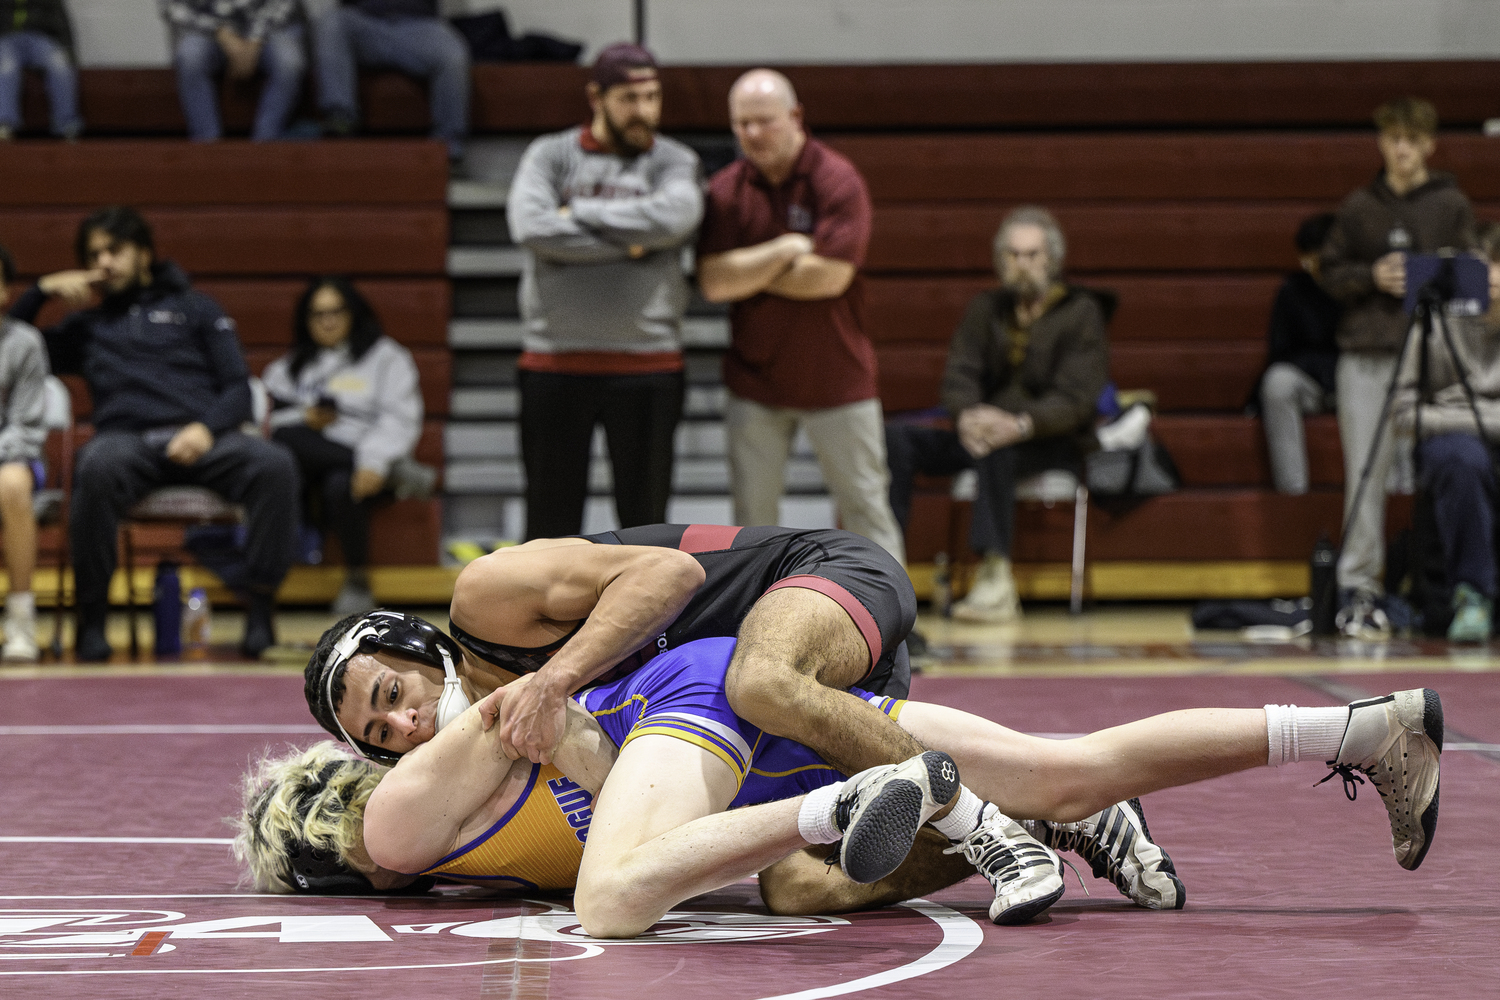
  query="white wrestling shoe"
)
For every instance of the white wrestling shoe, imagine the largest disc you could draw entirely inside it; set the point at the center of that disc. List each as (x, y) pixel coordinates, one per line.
(881, 809)
(1118, 846)
(992, 598)
(1396, 741)
(1025, 873)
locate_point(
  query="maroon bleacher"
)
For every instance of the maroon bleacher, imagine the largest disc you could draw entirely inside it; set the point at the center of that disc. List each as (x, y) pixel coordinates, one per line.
(250, 223)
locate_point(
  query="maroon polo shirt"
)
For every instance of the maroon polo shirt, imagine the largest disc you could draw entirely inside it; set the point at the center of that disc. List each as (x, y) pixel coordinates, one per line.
(807, 355)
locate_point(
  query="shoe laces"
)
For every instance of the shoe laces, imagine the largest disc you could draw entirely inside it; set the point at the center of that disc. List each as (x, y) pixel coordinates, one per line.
(1089, 845)
(1352, 780)
(997, 857)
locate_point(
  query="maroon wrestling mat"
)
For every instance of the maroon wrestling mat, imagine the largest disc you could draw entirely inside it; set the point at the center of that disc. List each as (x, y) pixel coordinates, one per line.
(115, 881)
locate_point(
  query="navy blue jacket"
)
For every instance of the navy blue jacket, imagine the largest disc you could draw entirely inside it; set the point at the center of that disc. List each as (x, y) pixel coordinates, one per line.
(161, 355)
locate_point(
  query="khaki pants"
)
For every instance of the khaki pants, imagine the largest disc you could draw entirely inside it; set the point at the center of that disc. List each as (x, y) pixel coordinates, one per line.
(1362, 381)
(850, 444)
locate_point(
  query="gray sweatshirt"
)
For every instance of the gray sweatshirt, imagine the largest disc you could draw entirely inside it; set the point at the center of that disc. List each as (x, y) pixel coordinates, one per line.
(1445, 406)
(379, 400)
(581, 289)
(23, 381)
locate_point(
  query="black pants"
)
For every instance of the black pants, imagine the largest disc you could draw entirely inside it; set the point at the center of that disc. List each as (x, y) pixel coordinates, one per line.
(117, 468)
(932, 451)
(327, 468)
(558, 414)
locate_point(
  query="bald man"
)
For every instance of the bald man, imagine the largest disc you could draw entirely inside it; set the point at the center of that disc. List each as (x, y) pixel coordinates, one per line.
(784, 233)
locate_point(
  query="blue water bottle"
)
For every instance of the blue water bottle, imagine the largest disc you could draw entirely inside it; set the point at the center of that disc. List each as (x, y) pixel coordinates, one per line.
(166, 607)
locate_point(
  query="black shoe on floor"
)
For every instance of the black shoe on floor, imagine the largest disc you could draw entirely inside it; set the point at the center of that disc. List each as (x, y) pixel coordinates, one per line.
(90, 645)
(260, 626)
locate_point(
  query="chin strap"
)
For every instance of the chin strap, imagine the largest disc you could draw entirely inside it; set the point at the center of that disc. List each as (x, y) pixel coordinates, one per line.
(453, 702)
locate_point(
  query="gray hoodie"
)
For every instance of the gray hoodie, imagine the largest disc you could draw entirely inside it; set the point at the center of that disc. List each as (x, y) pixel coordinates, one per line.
(23, 380)
(379, 400)
(1445, 406)
(581, 289)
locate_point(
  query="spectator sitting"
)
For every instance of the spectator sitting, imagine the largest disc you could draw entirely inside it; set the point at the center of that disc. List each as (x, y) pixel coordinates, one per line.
(38, 34)
(405, 35)
(23, 378)
(1301, 353)
(347, 403)
(170, 391)
(603, 211)
(1406, 209)
(238, 37)
(1025, 368)
(784, 235)
(1457, 471)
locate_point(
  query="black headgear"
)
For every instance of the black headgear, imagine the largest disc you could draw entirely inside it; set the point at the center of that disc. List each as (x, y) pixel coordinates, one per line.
(404, 635)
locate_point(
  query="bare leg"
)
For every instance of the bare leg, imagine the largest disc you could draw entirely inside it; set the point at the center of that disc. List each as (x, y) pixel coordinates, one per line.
(1069, 780)
(19, 524)
(803, 883)
(659, 836)
(796, 649)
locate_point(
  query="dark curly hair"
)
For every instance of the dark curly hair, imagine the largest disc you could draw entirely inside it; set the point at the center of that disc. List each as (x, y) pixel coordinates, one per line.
(314, 680)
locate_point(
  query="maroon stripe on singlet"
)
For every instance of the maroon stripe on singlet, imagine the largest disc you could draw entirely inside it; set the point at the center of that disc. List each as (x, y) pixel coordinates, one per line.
(707, 537)
(863, 620)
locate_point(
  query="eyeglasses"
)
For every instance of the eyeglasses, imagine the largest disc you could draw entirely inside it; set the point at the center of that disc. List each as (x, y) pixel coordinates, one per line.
(318, 314)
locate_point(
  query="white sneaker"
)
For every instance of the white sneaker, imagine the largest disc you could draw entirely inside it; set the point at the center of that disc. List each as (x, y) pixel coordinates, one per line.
(1396, 741)
(992, 598)
(1025, 873)
(20, 628)
(1118, 846)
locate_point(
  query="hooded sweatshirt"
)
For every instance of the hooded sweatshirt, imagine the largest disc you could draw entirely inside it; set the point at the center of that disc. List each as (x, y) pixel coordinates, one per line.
(154, 356)
(1372, 222)
(1445, 404)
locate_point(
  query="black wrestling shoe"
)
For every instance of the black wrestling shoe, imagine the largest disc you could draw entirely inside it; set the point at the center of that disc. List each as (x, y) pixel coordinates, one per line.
(1118, 846)
(881, 809)
(1396, 741)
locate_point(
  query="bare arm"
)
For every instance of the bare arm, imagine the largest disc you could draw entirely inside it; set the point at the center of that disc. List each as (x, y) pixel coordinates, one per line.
(434, 799)
(813, 277)
(746, 271)
(625, 595)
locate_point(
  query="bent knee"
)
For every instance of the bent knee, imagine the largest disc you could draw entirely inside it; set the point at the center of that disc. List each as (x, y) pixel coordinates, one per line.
(607, 908)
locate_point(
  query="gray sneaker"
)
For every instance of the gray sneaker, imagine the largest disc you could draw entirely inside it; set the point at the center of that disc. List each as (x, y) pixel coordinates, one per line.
(354, 598)
(1397, 741)
(1118, 846)
(881, 809)
(1025, 874)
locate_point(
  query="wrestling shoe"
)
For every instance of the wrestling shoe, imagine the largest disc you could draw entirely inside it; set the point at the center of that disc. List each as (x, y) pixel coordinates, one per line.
(881, 809)
(1396, 742)
(1025, 874)
(1118, 846)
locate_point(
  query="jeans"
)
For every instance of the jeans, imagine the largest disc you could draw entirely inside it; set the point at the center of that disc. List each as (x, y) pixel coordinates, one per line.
(20, 49)
(935, 451)
(199, 60)
(428, 47)
(327, 468)
(849, 441)
(1286, 393)
(1459, 474)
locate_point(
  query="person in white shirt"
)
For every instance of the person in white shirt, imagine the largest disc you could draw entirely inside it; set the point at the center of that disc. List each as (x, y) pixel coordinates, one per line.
(346, 401)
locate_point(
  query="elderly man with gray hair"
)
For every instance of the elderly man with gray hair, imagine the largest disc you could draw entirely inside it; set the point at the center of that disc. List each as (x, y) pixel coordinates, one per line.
(1025, 368)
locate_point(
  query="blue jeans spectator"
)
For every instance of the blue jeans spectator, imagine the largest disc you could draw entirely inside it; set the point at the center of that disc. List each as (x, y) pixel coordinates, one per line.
(22, 49)
(1458, 472)
(427, 47)
(199, 59)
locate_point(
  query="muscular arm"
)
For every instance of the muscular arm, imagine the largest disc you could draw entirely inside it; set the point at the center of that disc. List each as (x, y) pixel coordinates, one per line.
(529, 595)
(432, 801)
(746, 271)
(813, 277)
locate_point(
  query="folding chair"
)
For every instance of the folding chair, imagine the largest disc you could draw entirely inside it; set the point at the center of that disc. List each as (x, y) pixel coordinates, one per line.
(1049, 488)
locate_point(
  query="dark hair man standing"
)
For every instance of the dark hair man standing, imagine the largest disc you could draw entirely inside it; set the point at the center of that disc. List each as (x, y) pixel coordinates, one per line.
(604, 211)
(170, 391)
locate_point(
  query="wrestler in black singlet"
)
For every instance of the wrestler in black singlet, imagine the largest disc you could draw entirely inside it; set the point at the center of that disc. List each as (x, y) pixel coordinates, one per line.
(741, 565)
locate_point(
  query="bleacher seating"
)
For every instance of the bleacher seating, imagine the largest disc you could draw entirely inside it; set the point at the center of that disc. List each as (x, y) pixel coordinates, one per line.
(249, 223)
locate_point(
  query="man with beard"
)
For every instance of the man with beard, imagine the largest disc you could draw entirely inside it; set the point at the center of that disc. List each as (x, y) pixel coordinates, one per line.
(1025, 369)
(784, 235)
(604, 210)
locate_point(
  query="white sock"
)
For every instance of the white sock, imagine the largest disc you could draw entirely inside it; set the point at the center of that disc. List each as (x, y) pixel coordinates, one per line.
(962, 818)
(21, 605)
(815, 818)
(1294, 734)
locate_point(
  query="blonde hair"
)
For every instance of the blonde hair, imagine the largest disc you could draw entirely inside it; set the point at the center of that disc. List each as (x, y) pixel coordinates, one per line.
(315, 796)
